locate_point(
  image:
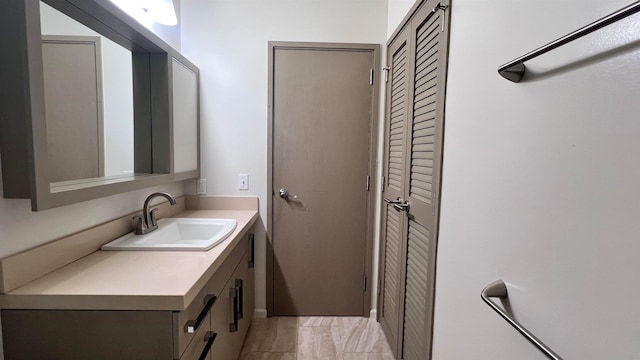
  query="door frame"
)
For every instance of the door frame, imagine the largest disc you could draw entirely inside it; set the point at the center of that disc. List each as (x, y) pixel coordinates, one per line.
(373, 146)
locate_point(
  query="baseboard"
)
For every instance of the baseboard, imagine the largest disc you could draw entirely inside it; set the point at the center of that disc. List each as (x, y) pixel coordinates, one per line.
(260, 313)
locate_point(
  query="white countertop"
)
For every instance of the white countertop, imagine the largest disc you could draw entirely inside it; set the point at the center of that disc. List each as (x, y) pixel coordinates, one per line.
(132, 280)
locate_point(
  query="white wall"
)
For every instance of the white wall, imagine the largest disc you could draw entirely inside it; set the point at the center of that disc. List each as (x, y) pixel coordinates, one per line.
(540, 184)
(397, 10)
(22, 229)
(228, 40)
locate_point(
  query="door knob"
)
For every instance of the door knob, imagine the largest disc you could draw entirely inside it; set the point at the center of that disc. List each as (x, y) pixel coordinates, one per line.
(284, 193)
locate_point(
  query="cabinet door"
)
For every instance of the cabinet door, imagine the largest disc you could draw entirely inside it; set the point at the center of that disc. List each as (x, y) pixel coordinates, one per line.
(223, 324)
(244, 282)
(83, 335)
(231, 316)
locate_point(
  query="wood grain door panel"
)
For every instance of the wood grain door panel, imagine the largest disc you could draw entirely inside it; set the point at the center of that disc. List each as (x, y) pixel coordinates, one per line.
(322, 124)
(72, 71)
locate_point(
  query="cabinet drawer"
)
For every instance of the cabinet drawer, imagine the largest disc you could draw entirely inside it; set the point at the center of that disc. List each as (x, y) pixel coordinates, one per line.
(200, 346)
(184, 321)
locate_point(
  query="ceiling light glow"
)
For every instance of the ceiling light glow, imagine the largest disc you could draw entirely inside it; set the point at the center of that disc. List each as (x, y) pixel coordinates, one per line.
(149, 11)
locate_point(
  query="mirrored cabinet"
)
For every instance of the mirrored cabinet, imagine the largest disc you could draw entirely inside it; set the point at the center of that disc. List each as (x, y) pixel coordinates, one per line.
(91, 103)
(185, 101)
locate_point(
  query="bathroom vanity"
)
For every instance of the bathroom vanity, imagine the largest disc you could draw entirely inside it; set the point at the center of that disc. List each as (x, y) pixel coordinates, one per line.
(154, 305)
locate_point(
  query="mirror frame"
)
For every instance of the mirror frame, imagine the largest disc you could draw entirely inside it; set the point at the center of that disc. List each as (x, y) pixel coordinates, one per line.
(23, 142)
(193, 174)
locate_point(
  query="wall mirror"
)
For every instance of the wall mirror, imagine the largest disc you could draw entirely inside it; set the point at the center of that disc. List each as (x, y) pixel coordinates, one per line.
(88, 93)
(86, 103)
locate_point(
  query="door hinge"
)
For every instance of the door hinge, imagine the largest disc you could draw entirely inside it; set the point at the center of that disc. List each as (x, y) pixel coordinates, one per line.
(433, 203)
(384, 178)
(364, 283)
(379, 286)
(370, 76)
(386, 70)
(443, 8)
(368, 182)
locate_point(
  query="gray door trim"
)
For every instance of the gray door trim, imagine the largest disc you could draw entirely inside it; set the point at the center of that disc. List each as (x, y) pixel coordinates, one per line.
(373, 145)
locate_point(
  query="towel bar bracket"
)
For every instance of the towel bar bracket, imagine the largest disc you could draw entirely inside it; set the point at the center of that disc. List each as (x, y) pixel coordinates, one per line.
(515, 69)
(498, 289)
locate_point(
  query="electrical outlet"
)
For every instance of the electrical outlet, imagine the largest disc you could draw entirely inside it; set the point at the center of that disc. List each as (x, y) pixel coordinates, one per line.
(201, 187)
(243, 181)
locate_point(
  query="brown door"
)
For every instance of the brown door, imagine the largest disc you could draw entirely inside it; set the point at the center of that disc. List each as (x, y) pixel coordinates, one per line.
(396, 122)
(73, 87)
(322, 122)
(412, 167)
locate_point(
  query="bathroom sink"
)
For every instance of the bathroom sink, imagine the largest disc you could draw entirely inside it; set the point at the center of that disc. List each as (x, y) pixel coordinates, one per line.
(177, 234)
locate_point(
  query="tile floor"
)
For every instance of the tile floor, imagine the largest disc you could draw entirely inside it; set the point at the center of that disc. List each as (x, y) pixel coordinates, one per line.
(315, 338)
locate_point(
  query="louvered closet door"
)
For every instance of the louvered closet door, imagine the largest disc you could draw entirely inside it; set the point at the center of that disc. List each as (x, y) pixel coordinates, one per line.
(396, 123)
(412, 166)
(422, 177)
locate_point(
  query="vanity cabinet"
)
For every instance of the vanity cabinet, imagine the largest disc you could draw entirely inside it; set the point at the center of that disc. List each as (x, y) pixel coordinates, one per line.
(212, 327)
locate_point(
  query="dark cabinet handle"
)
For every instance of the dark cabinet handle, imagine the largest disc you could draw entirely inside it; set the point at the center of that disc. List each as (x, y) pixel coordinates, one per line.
(240, 287)
(209, 337)
(192, 325)
(252, 251)
(233, 295)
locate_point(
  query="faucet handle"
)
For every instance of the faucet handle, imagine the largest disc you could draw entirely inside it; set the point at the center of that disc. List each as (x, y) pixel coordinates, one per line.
(152, 217)
(139, 224)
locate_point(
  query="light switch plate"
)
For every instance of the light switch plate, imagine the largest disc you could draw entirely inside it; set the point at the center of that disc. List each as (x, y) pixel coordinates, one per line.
(201, 187)
(243, 181)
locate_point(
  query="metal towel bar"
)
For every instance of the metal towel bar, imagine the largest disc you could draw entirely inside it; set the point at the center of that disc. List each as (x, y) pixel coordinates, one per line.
(515, 69)
(499, 289)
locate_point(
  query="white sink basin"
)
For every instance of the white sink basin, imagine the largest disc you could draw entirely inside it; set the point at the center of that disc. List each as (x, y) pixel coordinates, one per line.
(177, 234)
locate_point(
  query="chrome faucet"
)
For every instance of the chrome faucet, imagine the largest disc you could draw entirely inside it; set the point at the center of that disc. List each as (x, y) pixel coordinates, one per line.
(147, 221)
